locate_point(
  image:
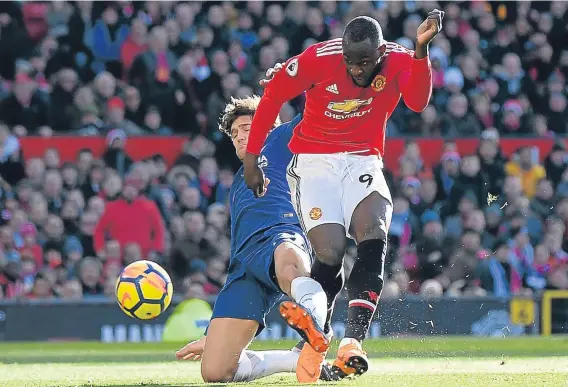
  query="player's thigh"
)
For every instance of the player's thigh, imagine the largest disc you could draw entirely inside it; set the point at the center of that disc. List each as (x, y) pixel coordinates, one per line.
(291, 260)
(237, 316)
(315, 187)
(367, 201)
(226, 339)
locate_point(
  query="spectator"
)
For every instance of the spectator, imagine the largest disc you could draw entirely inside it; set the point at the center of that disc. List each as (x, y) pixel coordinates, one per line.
(107, 37)
(491, 160)
(105, 88)
(470, 179)
(25, 106)
(135, 109)
(185, 18)
(115, 157)
(151, 70)
(527, 169)
(131, 218)
(556, 162)
(153, 123)
(11, 165)
(176, 45)
(62, 99)
(495, 271)
(446, 174)
(459, 122)
(135, 44)
(116, 119)
(89, 274)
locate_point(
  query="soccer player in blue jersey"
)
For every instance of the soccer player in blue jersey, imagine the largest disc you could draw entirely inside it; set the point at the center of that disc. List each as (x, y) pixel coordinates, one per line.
(270, 257)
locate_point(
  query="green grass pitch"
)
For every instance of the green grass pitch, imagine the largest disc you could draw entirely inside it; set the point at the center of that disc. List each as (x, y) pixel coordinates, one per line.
(428, 362)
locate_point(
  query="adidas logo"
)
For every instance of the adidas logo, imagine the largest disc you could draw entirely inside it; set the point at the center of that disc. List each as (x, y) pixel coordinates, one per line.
(332, 89)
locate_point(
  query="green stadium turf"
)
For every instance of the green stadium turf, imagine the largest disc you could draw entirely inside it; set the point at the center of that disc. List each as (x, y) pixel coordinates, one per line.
(446, 362)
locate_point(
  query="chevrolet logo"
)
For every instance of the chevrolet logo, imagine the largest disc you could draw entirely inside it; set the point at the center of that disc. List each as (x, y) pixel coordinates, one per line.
(349, 106)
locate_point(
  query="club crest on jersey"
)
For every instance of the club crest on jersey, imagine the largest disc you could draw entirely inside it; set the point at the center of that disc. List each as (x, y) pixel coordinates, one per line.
(349, 106)
(315, 213)
(379, 83)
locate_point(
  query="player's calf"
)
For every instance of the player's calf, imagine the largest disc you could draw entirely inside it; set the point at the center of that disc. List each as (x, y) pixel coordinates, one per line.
(369, 226)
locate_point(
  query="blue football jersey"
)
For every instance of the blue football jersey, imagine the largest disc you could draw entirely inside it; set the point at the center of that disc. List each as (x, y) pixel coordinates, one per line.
(252, 218)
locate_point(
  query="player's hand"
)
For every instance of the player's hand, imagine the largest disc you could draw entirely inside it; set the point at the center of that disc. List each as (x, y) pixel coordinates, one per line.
(193, 350)
(254, 176)
(429, 28)
(270, 74)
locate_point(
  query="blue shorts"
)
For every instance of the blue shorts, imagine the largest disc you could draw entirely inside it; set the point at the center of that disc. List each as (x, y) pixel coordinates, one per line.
(251, 289)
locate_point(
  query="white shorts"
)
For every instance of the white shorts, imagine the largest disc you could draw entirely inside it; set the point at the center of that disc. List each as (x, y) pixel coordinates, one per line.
(326, 188)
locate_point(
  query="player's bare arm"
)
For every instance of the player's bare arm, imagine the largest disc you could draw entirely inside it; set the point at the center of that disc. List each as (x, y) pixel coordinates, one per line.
(427, 31)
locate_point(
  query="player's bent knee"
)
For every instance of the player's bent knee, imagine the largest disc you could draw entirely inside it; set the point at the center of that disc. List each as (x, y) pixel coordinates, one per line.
(377, 230)
(329, 243)
(217, 373)
(291, 260)
(331, 257)
(332, 254)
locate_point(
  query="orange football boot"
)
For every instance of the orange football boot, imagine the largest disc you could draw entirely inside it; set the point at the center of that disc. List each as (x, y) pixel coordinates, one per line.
(312, 356)
(351, 360)
(302, 321)
(310, 363)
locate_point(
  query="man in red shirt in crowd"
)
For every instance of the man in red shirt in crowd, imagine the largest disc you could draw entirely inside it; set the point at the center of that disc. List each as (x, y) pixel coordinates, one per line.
(352, 86)
(131, 218)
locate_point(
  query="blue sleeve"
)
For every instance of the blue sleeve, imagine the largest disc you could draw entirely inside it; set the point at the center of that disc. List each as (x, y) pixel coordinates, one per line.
(284, 132)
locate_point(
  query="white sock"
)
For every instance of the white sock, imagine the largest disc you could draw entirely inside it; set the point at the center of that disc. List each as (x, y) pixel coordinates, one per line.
(244, 369)
(347, 340)
(260, 364)
(311, 296)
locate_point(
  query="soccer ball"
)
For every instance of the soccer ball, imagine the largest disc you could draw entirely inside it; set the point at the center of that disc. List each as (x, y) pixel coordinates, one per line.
(144, 290)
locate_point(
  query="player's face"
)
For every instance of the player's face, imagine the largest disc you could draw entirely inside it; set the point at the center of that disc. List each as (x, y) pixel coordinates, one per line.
(240, 133)
(361, 60)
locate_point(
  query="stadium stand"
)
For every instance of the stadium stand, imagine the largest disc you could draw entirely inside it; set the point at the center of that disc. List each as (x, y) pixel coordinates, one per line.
(479, 178)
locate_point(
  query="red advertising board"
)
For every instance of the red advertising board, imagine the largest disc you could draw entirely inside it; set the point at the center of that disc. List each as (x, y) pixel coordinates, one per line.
(170, 147)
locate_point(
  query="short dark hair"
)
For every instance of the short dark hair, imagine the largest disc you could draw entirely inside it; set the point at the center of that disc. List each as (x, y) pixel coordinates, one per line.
(362, 28)
(239, 107)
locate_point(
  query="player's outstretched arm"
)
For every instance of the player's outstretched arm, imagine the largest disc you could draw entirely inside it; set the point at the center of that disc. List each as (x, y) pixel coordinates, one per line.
(427, 31)
(299, 74)
(415, 84)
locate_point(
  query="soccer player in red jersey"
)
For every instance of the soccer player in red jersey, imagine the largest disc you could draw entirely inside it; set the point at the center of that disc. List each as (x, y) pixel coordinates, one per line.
(352, 86)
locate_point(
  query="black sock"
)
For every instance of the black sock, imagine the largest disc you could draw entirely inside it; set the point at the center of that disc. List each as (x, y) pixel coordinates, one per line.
(331, 279)
(364, 287)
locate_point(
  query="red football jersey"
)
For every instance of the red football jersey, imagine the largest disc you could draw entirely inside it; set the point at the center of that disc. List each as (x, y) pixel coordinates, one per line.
(339, 116)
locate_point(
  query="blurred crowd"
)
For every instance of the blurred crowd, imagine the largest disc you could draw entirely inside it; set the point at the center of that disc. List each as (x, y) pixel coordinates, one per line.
(475, 224)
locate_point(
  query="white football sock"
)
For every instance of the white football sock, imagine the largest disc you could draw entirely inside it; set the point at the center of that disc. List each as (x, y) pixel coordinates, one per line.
(311, 296)
(348, 340)
(244, 369)
(259, 364)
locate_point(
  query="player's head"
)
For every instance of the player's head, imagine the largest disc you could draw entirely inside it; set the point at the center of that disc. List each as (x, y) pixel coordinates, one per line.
(236, 120)
(363, 48)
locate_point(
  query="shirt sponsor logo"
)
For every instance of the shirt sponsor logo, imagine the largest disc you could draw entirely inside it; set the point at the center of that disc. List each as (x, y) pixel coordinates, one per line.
(347, 116)
(262, 161)
(349, 106)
